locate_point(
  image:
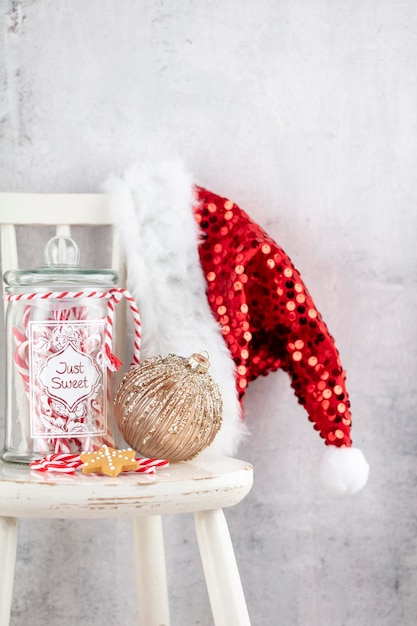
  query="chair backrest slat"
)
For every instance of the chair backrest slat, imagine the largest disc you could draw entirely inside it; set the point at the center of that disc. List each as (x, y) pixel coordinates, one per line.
(55, 208)
(9, 255)
(63, 230)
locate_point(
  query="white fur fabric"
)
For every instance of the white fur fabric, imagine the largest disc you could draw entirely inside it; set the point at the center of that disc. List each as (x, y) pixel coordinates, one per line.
(154, 216)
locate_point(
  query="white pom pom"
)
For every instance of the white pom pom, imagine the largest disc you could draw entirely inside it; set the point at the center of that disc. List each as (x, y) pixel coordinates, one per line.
(343, 470)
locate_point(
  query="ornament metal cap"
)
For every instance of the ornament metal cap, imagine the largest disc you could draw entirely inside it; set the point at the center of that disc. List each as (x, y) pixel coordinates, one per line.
(198, 362)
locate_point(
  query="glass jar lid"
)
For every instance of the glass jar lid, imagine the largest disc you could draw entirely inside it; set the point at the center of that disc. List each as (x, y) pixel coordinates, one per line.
(62, 256)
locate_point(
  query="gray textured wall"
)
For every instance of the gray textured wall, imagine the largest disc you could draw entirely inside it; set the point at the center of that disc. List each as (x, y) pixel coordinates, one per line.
(305, 113)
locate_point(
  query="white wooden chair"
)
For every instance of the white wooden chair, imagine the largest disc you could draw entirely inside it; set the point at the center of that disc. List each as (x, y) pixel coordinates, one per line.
(203, 486)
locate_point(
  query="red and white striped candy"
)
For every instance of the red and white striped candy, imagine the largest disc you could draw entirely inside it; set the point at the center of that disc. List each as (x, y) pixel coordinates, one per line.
(62, 463)
(144, 462)
(70, 463)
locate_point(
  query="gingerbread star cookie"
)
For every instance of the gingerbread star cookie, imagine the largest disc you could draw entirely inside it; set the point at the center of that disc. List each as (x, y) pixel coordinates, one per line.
(109, 461)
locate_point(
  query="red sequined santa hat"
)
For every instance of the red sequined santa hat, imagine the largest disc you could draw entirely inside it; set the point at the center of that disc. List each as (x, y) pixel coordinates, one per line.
(206, 277)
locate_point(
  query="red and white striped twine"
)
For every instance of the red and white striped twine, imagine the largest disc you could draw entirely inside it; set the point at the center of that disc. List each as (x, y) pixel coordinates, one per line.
(113, 297)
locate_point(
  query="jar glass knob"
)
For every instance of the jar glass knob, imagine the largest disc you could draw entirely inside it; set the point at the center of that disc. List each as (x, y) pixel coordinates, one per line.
(61, 251)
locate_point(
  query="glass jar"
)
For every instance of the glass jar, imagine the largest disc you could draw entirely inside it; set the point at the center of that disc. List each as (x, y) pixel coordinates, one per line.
(57, 377)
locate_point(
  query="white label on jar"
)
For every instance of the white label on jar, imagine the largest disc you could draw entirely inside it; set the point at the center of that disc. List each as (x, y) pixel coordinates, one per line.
(68, 378)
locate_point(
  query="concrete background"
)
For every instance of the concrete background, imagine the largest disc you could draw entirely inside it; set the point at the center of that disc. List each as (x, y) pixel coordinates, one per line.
(304, 112)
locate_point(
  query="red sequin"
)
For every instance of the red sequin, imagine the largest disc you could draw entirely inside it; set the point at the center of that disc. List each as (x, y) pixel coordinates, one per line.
(268, 318)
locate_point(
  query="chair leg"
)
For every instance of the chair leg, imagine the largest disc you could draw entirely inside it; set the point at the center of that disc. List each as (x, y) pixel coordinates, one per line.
(8, 545)
(151, 579)
(225, 591)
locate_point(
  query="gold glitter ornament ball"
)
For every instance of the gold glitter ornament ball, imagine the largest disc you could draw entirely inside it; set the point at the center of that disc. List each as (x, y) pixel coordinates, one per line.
(169, 407)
